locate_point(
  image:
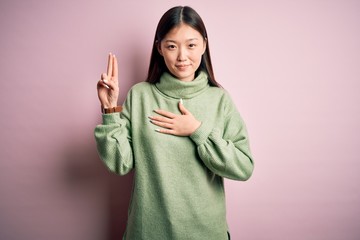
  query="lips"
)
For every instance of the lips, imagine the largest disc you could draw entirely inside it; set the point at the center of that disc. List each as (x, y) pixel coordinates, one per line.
(182, 66)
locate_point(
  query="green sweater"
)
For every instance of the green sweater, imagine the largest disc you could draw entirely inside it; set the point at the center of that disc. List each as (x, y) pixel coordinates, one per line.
(178, 190)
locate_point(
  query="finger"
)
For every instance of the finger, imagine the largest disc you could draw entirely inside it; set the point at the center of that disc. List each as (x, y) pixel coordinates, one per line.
(182, 109)
(162, 124)
(165, 131)
(161, 119)
(110, 84)
(165, 113)
(102, 84)
(103, 76)
(110, 65)
(115, 68)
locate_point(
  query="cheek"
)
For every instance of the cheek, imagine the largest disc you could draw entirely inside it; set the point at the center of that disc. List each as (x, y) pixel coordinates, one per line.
(169, 58)
(196, 56)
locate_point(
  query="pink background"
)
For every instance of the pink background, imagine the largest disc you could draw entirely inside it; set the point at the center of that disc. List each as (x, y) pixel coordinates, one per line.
(292, 67)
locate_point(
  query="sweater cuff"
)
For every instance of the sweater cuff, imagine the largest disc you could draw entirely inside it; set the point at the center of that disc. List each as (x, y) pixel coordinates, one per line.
(111, 118)
(201, 134)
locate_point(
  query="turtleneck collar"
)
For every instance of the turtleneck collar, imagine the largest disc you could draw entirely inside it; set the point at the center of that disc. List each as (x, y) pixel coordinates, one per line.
(173, 87)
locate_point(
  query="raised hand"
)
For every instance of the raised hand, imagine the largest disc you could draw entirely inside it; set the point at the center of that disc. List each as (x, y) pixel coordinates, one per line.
(108, 86)
(179, 125)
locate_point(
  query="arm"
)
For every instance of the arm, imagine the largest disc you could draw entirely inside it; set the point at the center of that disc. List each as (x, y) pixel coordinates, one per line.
(113, 136)
(226, 153)
(113, 142)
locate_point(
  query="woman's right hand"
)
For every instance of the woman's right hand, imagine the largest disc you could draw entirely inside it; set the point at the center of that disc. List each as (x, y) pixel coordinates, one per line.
(108, 86)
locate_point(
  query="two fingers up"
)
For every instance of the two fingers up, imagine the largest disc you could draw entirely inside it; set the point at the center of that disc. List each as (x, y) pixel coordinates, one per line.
(108, 88)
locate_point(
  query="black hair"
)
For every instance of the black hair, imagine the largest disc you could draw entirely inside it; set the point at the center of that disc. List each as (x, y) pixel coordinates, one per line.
(171, 19)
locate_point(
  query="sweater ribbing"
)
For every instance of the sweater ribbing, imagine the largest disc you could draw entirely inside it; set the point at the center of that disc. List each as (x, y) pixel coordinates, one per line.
(173, 87)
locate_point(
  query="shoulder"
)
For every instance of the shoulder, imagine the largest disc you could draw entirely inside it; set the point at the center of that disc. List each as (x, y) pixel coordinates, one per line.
(221, 94)
(141, 88)
(224, 100)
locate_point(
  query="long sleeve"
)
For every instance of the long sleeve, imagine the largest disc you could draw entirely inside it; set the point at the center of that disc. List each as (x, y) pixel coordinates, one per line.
(171, 170)
(113, 142)
(224, 149)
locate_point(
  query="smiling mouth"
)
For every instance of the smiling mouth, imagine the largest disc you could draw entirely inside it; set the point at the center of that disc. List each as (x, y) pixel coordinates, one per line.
(181, 66)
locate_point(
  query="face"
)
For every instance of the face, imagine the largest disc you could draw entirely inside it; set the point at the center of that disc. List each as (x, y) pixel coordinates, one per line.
(182, 49)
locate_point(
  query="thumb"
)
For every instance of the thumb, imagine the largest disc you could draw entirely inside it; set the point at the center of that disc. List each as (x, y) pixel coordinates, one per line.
(182, 109)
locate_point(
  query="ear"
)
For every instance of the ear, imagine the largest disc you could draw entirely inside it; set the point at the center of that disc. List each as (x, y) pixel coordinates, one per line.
(158, 46)
(205, 45)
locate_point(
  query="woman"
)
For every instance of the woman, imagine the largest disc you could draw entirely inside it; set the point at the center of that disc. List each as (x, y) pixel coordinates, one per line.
(180, 132)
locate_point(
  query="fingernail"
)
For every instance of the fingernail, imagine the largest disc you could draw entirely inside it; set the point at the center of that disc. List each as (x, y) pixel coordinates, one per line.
(157, 130)
(181, 101)
(104, 80)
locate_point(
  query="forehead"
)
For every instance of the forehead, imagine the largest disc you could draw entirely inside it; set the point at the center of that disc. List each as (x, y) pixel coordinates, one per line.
(183, 32)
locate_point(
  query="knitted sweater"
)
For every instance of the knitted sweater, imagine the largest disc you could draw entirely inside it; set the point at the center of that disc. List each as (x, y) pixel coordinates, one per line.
(178, 190)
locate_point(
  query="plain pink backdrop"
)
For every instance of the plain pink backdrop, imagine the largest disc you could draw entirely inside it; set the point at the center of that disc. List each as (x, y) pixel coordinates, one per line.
(292, 68)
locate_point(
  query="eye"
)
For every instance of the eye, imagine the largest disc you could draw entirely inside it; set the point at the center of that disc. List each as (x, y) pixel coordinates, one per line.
(171, 47)
(192, 45)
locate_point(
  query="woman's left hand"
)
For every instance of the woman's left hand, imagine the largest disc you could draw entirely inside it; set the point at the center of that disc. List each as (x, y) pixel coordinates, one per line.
(179, 125)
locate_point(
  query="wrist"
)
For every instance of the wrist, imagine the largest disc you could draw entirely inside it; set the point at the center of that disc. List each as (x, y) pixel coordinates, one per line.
(196, 126)
(108, 104)
(106, 110)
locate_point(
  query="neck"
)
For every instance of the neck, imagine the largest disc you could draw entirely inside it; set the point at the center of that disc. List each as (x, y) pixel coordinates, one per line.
(173, 87)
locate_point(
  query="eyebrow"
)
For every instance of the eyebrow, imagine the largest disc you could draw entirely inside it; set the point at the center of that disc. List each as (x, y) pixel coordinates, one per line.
(173, 41)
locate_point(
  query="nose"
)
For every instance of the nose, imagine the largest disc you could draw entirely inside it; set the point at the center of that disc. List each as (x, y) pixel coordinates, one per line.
(181, 55)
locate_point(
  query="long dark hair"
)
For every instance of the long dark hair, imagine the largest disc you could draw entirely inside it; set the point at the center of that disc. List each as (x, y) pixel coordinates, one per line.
(173, 18)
